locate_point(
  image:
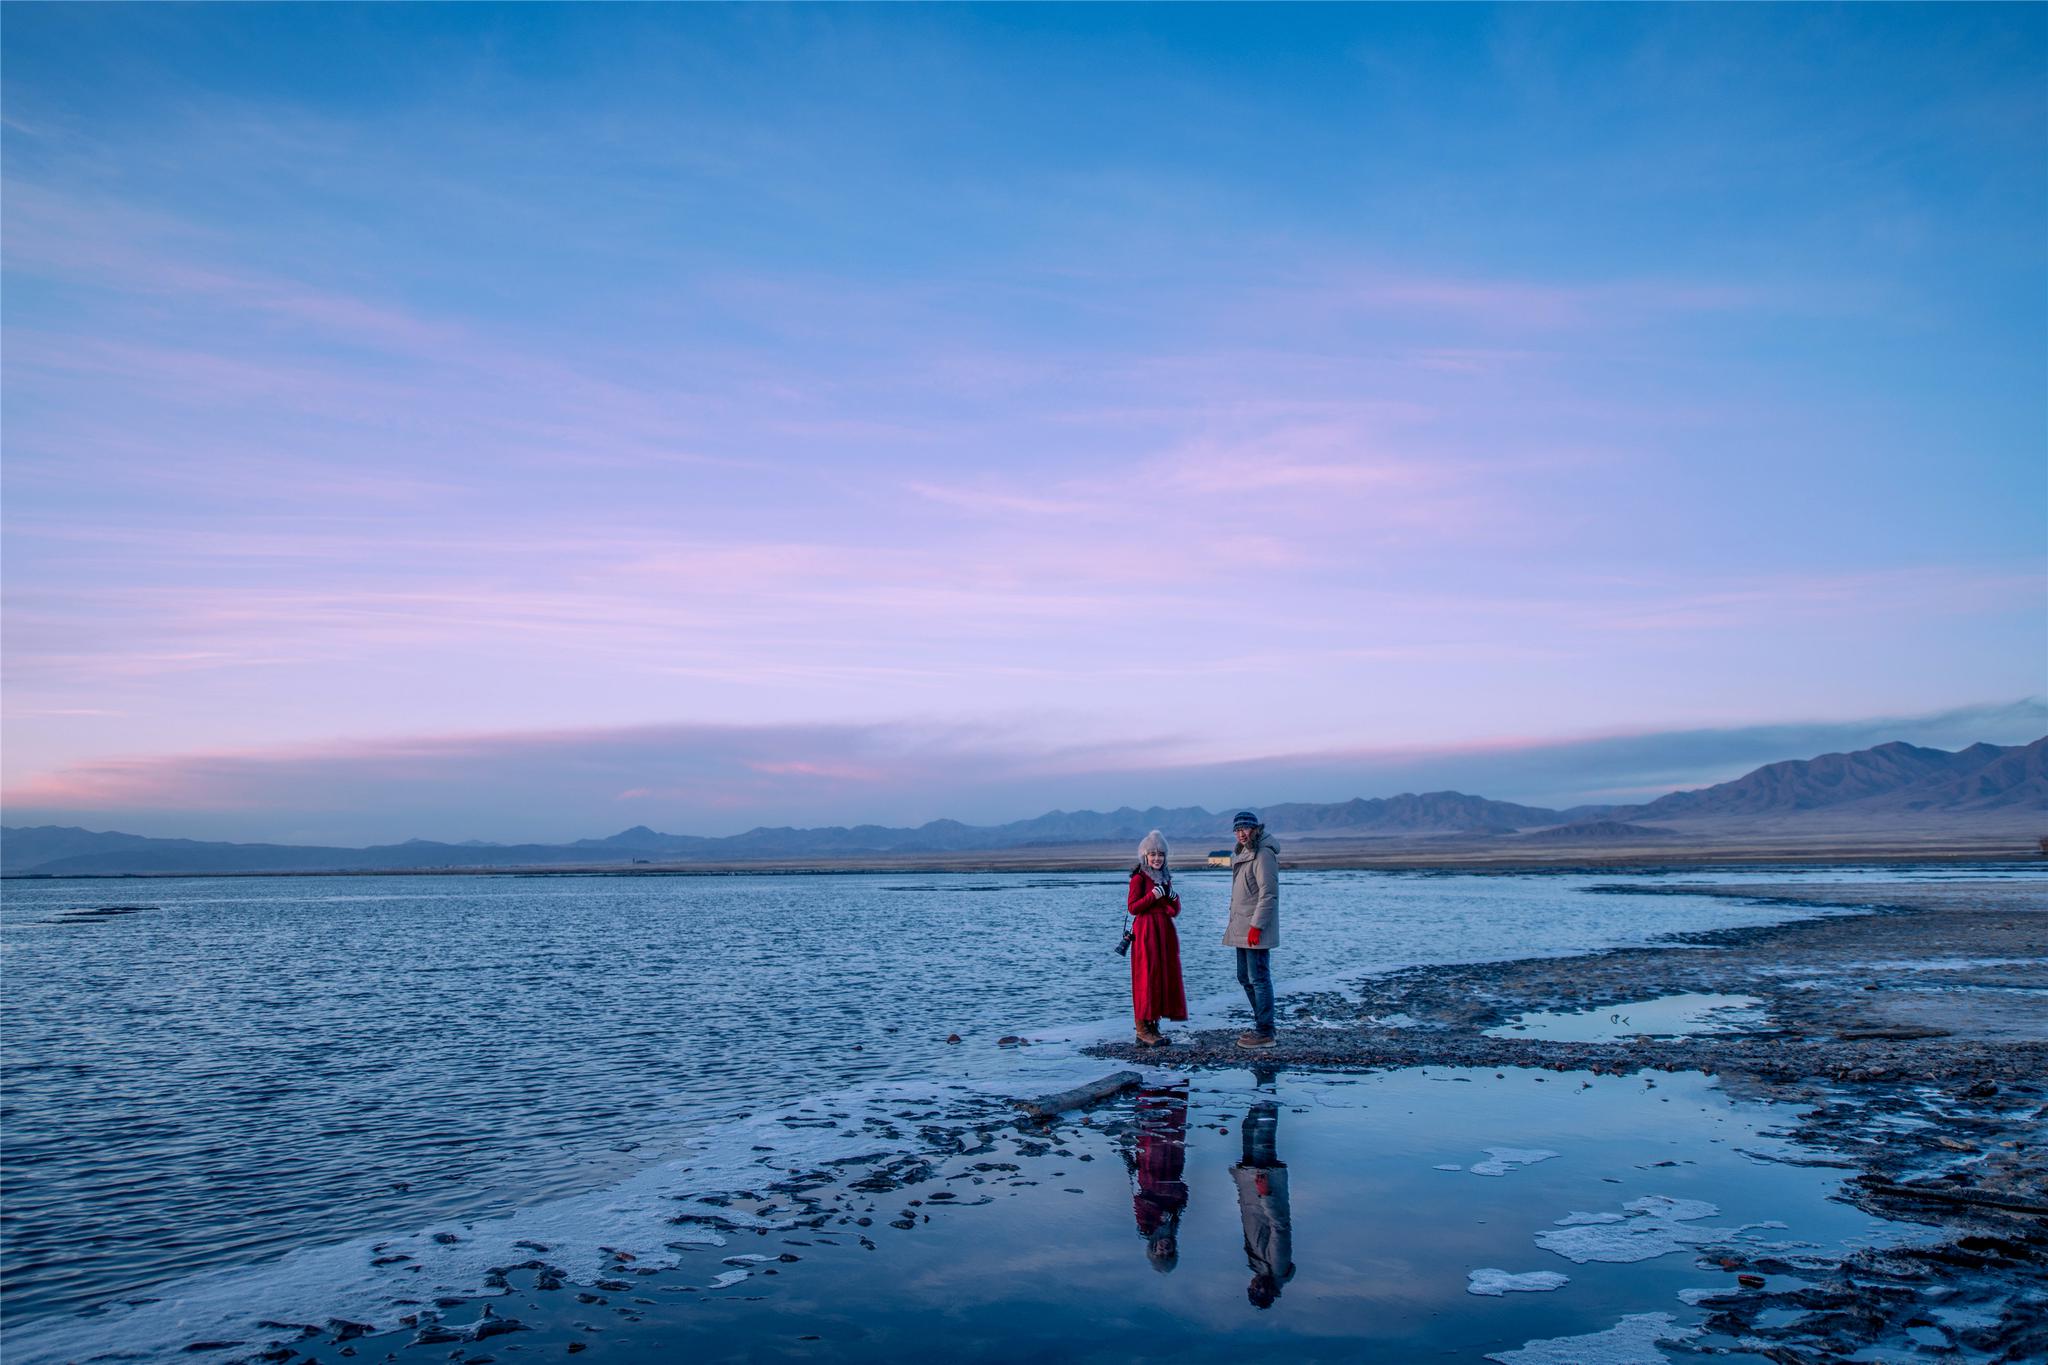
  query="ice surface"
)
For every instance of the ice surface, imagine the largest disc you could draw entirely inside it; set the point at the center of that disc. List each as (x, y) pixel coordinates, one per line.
(1655, 1225)
(1632, 1341)
(730, 1278)
(688, 1127)
(1678, 1210)
(1494, 1283)
(1501, 1160)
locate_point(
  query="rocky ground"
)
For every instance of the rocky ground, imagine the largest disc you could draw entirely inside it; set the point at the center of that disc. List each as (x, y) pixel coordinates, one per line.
(1911, 1035)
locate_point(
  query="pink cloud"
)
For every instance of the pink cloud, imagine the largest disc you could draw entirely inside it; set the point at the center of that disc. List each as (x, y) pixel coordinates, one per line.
(988, 499)
(832, 772)
(1532, 305)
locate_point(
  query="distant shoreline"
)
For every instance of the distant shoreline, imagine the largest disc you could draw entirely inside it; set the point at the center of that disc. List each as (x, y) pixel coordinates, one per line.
(1439, 855)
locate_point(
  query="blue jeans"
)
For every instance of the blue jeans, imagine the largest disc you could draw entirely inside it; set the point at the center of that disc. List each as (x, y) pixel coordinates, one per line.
(1255, 974)
(1261, 1129)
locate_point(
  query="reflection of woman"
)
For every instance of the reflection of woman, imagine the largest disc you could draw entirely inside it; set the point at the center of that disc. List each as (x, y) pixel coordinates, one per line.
(1155, 950)
(1262, 1204)
(1159, 1164)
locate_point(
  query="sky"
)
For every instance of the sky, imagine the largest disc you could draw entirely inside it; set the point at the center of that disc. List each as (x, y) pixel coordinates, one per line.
(527, 422)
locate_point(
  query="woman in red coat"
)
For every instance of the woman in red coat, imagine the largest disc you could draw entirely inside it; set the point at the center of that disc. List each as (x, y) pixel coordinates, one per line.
(1155, 948)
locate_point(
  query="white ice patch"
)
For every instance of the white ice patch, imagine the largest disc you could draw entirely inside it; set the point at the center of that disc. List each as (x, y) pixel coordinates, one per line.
(1501, 1160)
(1655, 1225)
(1632, 1341)
(1678, 1210)
(1494, 1283)
(730, 1278)
(1448, 1166)
(1693, 1298)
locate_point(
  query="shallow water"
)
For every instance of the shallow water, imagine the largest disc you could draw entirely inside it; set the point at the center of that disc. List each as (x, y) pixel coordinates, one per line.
(1052, 1255)
(254, 1066)
(1669, 1016)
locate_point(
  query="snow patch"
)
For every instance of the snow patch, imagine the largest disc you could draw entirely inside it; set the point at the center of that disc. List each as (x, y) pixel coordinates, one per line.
(1677, 1210)
(1655, 1225)
(1494, 1283)
(1501, 1160)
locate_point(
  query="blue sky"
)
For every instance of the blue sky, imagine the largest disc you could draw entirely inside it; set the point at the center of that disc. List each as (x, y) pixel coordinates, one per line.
(906, 412)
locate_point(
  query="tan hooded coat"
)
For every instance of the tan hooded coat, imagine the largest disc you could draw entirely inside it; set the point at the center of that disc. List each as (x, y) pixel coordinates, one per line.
(1254, 896)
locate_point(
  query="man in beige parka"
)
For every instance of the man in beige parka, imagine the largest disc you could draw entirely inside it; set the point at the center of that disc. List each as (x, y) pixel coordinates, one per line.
(1254, 927)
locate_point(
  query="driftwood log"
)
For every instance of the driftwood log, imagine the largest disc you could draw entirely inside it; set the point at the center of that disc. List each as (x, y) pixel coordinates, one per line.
(1048, 1106)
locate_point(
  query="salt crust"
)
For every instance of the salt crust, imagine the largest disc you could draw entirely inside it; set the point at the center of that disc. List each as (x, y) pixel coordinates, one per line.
(1655, 1225)
(1632, 1341)
(1501, 1160)
(1494, 1283)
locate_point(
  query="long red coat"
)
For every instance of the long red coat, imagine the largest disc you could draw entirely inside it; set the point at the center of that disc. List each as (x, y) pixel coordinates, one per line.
(1155, 954)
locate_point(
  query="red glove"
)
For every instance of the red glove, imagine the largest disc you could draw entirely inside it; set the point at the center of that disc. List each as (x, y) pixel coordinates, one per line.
(1252, 937)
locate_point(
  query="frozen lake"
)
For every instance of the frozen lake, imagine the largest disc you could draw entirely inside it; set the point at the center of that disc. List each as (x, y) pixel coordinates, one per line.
(202, 1093)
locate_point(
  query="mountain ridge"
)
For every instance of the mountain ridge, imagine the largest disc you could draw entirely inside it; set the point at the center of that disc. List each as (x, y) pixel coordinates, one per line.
(1885, 781)
(1894, 777)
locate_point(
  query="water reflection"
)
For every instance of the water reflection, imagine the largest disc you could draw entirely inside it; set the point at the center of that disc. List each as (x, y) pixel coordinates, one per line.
(1159, 1163)
(1262, 1204)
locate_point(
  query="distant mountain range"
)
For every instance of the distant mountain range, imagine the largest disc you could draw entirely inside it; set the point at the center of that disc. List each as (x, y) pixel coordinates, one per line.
(1888, 783)
(1892, 778)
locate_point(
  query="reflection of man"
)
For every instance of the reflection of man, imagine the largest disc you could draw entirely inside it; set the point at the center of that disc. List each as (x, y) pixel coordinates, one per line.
(1262, 1204)
(1159, 1164)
